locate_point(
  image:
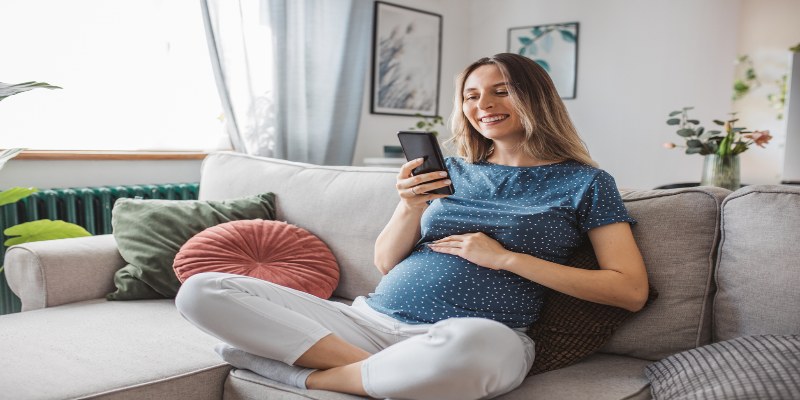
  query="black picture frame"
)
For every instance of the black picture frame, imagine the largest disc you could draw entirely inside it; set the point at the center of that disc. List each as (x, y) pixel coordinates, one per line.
(555, 48)
(406, 61)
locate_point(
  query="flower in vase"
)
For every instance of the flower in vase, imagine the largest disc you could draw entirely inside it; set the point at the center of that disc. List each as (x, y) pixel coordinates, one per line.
(731, 140)
(760, 138)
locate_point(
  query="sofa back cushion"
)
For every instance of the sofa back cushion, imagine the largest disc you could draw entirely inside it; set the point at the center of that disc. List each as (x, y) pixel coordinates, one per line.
(346, 207)
(677, 233)
(758, 268)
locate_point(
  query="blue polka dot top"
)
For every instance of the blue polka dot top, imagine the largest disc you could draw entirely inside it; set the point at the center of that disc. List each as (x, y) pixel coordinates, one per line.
(544, 211)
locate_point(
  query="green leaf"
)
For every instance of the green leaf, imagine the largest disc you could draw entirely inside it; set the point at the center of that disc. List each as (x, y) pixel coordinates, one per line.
(525, 40)
(673, 121)
(694, 143)
(674, 113)
(693, 121)
(700, 130)
(8, 154)
(567, 36)
(750, 74)
(547, 43)
(740, 87)
(522, 51)
(421, 124)
(43, 229)
(8, 89)
(15, 194)
(686, 132)
(739, 148)
(718, 122)
(536, 31)
(693, 150)
(688, 108)
(544, 64)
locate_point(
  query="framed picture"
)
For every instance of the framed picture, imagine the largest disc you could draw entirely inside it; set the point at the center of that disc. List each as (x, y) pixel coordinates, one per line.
(554, 47)
(406, 61)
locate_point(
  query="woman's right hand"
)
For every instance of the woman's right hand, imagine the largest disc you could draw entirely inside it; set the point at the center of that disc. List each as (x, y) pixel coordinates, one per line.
(412, 189)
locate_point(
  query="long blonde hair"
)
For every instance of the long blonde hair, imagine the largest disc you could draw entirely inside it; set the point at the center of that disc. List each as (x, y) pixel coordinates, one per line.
(549, 132)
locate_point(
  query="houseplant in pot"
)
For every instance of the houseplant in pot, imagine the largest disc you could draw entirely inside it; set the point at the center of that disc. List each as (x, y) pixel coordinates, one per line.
(721, 148)
(43, 229)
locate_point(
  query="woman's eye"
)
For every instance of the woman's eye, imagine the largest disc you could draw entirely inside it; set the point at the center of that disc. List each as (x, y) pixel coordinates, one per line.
(502, 93)
(470, 97)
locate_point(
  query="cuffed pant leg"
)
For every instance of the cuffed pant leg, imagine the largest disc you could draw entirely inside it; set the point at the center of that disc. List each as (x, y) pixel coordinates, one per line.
(263, 318)
(458, 359)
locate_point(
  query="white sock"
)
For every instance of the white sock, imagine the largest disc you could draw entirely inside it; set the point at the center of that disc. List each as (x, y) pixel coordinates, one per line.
(272, 369)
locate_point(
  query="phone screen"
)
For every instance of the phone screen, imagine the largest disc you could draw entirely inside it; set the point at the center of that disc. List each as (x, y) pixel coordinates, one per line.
(424, 145)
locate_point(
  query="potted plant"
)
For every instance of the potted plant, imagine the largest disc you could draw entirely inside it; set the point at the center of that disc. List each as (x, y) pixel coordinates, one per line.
(721, 148)
(43, 229)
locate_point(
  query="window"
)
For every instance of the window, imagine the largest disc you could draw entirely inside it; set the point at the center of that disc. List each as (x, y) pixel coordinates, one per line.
(135, 75)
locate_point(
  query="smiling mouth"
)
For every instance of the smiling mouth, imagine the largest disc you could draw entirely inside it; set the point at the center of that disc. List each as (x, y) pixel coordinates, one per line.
(493, 118)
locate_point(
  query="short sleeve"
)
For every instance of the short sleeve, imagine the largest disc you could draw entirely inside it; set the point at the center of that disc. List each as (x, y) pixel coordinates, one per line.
(602, 204)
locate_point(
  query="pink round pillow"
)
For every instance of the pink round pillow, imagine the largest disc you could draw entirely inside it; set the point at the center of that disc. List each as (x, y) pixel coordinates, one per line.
(270, 250)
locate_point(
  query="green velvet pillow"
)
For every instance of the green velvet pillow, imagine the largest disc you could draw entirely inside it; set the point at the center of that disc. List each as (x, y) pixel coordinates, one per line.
(149, 234)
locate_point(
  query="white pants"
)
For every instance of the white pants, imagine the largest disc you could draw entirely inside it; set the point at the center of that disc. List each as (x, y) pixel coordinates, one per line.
(458, 358)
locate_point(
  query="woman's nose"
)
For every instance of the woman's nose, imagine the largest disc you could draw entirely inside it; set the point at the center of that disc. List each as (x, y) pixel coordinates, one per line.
(484, 103)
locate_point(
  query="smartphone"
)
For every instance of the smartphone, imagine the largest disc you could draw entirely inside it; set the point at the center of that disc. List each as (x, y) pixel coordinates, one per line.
(424, 145)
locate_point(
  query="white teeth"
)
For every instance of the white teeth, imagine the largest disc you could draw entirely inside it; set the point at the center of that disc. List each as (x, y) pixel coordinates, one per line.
(495, 118)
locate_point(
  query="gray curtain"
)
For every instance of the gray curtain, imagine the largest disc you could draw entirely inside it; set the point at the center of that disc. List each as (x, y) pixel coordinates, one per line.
(291, 74)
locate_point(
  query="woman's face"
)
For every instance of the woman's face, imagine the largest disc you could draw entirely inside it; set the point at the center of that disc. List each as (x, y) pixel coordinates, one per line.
(488, 107)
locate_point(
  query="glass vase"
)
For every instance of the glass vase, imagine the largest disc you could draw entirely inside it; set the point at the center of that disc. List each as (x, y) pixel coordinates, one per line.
(721, 171)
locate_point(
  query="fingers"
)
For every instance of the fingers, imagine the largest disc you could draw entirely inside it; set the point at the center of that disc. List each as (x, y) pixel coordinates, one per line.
(451, 238)
(414, 190)
(422, 184)
(405, 170)
(429, 187)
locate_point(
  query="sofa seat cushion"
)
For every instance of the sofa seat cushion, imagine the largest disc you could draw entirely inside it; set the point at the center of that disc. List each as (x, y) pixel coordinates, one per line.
(120, 350)
(597, 377)
(243, 384)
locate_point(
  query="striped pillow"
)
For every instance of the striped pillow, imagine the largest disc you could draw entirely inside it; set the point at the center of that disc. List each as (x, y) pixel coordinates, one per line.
(749, 367)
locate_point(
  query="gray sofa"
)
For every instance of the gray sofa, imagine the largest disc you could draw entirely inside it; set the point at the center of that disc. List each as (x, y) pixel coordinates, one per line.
(725, 265)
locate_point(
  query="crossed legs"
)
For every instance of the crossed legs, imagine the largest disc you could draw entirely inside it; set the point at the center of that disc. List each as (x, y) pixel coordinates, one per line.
(464, 358)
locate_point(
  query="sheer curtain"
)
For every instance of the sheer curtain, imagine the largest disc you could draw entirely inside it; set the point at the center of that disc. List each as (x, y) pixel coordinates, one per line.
(290, 74)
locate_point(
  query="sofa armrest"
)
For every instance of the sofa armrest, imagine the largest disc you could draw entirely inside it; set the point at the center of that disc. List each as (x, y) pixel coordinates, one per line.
(54, 272)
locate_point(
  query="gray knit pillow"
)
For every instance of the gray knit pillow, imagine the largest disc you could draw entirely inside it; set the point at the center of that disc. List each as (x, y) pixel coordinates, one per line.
(750, 367)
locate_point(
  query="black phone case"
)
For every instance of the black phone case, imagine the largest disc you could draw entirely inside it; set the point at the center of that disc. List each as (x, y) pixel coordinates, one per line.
(424, 145)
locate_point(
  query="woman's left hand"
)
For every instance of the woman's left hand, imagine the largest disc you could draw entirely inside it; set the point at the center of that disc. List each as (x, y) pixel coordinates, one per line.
(476, 247)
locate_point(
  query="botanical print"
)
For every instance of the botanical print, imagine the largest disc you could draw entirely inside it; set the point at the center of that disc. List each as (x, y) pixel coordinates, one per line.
(406, 61)
(554, 47)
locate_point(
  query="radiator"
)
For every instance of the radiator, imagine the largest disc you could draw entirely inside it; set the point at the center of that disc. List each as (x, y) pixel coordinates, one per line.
(88, 207)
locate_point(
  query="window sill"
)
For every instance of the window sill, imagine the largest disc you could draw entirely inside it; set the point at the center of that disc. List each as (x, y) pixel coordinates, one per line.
(109, 155)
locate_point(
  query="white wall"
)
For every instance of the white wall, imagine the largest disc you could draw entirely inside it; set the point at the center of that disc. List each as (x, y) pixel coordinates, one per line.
(637, 61)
